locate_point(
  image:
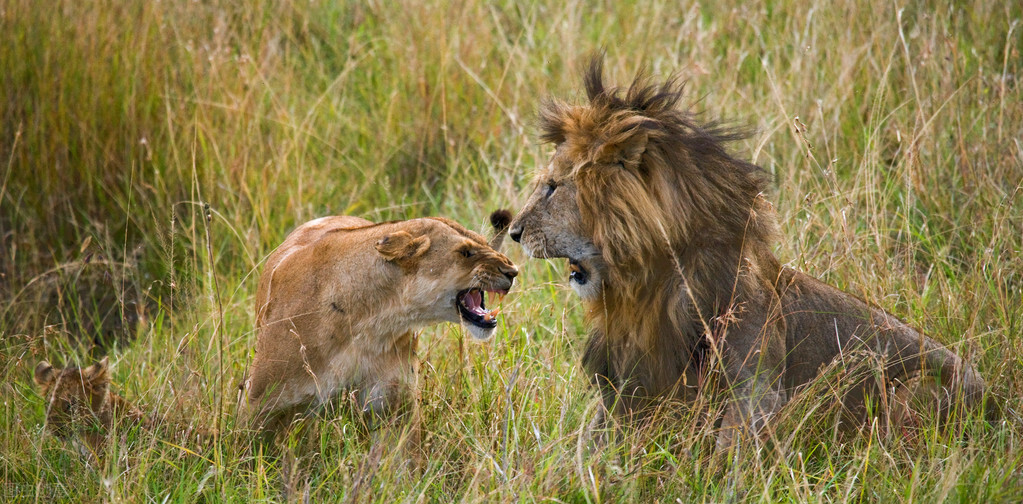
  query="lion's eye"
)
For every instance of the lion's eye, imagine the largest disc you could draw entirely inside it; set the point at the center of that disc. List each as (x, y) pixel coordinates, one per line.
(467, 252)
(551, 186)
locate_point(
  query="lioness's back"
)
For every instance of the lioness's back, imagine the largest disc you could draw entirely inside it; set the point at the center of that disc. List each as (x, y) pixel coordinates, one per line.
(309, 232)
(294, 246)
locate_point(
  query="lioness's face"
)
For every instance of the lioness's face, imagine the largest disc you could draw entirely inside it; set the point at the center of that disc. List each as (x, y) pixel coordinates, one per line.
(453, 276)
(550, 225)
(73, 396)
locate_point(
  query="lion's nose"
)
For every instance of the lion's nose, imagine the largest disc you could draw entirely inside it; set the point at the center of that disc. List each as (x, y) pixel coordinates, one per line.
(510, 272)
(516, 233)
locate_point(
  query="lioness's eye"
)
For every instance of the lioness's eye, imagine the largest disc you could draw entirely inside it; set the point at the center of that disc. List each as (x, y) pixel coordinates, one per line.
(467, 253)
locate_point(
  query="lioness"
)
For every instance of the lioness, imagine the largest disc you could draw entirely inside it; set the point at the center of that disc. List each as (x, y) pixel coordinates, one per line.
(338, 303)
(669, 242)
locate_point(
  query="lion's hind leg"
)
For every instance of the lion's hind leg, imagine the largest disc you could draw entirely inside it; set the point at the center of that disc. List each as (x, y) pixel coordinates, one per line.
(924, 400)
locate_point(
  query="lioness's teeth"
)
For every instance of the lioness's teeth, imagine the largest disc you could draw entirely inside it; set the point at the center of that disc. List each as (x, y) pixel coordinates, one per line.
(491, 315)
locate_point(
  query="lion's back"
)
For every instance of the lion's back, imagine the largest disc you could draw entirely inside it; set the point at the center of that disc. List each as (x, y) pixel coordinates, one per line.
(823, 322)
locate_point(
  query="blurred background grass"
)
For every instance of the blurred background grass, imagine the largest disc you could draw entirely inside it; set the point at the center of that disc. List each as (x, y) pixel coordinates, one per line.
(893, 133)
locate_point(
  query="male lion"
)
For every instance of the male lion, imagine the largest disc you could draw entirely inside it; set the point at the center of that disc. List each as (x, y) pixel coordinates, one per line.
(669, 240)
(339, 301)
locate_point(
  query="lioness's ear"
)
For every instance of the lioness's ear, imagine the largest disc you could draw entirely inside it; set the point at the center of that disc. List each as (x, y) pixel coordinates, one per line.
(402, 246)
(500, 219)
(44, 373)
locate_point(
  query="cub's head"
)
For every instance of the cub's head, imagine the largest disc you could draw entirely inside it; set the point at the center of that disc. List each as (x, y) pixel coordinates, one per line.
(75, 397)
(448, 271)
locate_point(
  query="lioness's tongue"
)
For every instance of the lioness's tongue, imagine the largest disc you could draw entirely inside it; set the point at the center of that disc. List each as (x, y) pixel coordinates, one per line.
(473, 301)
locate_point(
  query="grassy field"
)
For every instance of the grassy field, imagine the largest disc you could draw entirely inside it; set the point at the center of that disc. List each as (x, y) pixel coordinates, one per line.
(153, 153)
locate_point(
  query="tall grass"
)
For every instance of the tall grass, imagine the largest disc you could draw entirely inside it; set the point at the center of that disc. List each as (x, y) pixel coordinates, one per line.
(893, 132)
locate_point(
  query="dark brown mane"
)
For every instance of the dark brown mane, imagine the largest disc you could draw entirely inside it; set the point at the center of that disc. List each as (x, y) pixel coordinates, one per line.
(662, 103)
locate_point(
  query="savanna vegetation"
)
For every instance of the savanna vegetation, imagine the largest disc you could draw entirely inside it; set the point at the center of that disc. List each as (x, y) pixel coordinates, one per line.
(152, 154)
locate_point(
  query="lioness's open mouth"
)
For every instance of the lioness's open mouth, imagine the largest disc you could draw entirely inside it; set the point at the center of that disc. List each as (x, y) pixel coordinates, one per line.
(472, 305)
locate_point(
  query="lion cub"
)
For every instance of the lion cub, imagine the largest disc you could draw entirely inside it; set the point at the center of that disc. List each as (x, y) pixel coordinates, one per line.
(79, 401)
(339, 302)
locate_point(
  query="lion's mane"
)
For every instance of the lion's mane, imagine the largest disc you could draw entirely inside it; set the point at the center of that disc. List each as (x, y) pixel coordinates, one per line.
(673, 225)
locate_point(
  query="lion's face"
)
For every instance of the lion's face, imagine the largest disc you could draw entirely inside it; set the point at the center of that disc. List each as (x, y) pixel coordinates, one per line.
(550, 225)
(75, 397)
(448, 273)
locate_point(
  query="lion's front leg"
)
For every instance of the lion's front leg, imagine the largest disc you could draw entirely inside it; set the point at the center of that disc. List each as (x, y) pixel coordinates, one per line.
(748, 412)
(597, 364)
(754, 355)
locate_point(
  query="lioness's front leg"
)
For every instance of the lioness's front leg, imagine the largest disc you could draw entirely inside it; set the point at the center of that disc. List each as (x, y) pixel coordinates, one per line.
(754, 359)
(387, 402)
(391, 401)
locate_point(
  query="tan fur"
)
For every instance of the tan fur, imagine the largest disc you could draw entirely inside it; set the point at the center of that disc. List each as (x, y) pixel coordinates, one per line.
(669, 240)
(338, 303)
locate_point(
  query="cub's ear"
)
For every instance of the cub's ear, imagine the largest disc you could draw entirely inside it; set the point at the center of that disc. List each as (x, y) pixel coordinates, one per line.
(97, 371)
(401, 246)
(44, 373)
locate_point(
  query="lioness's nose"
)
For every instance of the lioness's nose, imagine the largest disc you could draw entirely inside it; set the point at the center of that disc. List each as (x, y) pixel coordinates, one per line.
(510, 271)
(515, 232)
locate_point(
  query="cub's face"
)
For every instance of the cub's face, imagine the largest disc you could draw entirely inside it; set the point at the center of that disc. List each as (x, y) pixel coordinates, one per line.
(448, 272)
(550, 225)
(75, 397)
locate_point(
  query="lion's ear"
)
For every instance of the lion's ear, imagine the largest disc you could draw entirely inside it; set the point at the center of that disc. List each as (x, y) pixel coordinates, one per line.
(627, 151)
(97, 380)
(632, 149)
(400, 246)
(96, 372)
(44, 373)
